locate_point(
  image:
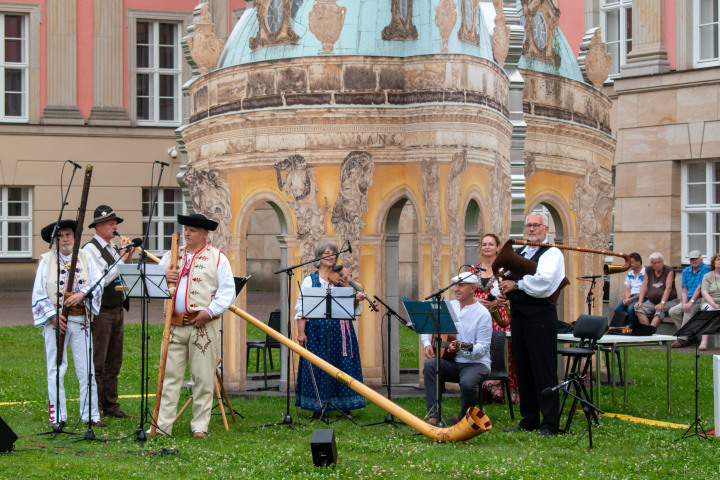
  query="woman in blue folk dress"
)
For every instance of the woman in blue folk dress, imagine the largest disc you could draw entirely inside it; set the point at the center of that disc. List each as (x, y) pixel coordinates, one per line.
(342, 346)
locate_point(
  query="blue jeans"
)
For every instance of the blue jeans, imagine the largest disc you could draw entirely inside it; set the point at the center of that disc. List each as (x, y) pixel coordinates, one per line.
(630, 309)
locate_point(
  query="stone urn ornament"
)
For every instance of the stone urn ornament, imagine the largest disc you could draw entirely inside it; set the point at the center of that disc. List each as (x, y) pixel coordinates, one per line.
(326, 22)
(445, 18)
(204, 46)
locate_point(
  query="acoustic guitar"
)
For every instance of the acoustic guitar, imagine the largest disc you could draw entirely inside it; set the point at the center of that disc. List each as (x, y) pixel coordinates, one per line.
(445, 342)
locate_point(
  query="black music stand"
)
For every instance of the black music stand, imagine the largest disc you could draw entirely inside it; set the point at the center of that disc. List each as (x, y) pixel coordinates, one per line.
(706, 322)
(332, 305)
(435, 318)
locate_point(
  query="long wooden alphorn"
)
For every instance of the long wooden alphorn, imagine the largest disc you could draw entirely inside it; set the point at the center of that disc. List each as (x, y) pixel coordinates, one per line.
(73, 261)
(169, 310)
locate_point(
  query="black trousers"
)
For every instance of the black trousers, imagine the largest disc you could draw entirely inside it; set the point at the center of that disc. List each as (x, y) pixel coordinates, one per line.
(468, 375)
(534, 343)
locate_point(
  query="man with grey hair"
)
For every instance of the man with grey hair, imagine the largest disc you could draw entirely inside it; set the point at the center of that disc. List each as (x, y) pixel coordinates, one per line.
(471, 363)
(657, 294)
(534, 329)
(691, 284)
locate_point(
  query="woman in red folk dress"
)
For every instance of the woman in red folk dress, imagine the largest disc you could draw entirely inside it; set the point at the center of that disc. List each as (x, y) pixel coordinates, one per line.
(486, 292)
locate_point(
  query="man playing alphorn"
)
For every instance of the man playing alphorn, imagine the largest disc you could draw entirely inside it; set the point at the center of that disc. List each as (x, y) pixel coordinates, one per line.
(205, 289)
(47, 301)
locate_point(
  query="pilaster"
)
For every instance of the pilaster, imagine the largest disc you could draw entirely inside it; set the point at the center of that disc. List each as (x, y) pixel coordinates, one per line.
(649, 54)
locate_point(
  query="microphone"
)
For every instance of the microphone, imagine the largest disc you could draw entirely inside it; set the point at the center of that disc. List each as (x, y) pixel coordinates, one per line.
(135, 242)
(550, 390)
(478, 267)
(589, 277)
(164, 164)
(74, 164)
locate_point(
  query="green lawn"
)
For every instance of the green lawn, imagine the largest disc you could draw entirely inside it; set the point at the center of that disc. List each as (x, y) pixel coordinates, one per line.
(623, 449)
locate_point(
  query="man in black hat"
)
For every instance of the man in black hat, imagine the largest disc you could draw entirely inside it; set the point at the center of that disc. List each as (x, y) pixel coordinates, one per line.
(205, 289)
(48, 296)
(108, 328)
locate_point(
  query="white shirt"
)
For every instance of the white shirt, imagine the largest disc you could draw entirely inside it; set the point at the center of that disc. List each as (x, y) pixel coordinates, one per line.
(100, 262)
(224, 296)
(550, 272)
(474, 326)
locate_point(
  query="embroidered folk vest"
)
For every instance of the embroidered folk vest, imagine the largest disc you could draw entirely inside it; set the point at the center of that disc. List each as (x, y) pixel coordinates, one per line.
(202, 277)
(82, 278)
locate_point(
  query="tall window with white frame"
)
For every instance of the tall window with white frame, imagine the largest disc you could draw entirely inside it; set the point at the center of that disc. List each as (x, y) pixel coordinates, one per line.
(701, 207)
(164, 222)
(13, 68)
(15, 222)
(158, 73)
(616, 23)
(707, 23)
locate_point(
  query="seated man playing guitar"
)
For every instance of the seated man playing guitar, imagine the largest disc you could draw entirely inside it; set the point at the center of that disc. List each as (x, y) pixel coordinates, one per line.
(466, 358)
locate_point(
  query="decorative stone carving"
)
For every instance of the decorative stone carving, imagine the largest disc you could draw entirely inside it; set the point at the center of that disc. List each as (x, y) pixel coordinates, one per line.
(501, 34)
(530, 166)
(597, 61)
(401, 26)
(295, 178)
(541, 20)
(210, 195)
(267, 36)
(593, 202)
(500, 197)
(356, 178)
(430, 189)
(468, 24)
(326, 23)
(445, 18)
(204, 47)
(458, 165)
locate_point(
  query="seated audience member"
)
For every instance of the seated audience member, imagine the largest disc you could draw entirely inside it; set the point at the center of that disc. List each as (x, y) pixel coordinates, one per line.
(711, 291)
(633, 282)
(657, 294)
(681, 313)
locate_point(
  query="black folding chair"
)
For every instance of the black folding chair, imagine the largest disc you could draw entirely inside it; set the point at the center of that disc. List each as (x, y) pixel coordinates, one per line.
(589, 329)
(498, 369)
(619, 319)
(265, 345)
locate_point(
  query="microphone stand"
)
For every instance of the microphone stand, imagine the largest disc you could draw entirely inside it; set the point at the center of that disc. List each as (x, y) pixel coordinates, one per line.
(54, 238)
(287, 419)
(389, 313)
(589, 409)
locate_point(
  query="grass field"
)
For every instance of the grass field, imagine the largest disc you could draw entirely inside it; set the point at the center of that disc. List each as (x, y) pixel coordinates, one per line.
(623, 449)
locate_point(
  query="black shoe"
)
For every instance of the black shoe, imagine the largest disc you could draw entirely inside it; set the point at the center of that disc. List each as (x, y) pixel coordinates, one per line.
(119, 413)
(546, 432)
(97, 423)
(519, 428)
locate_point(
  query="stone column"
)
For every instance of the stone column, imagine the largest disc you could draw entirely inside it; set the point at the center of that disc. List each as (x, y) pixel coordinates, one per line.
(392, 297)
(61, 107)
(108, 75)
(648, 55)
(220, 13)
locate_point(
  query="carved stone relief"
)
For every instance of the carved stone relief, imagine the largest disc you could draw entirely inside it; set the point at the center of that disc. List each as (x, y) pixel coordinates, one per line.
(295, 178)
(203, 45)
(597, 60)
(468, 25)
(501, 34)
(541, 20)
(458, 165)
(530, 166)
(401, 26)
(500, 197)
(210, 195)
(593, 202)
(326, 22)
(430, 189)
(274, 26)
(445, 18)
(356, 178)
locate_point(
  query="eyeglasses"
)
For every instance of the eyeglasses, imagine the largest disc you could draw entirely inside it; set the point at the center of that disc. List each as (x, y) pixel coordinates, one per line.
(533, 225)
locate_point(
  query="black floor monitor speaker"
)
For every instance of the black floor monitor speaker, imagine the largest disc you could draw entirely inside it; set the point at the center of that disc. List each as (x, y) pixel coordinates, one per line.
(324, 451)
(7, 437)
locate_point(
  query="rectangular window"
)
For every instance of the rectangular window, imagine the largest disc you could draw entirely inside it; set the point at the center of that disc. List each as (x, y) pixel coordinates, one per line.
(170, 204)
(15, 221)
(13, 68)
(616, 23)
(701, 207)
(707, 43)
(158, 72)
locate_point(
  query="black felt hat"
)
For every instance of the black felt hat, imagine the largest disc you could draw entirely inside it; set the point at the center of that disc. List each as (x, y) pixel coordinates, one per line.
(197, 220)
(103, 213)
(47, 231)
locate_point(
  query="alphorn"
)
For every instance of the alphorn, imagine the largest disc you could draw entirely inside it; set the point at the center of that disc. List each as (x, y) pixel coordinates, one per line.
(73, 260)
(169, 310)
(616, 269)
(474, 423)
